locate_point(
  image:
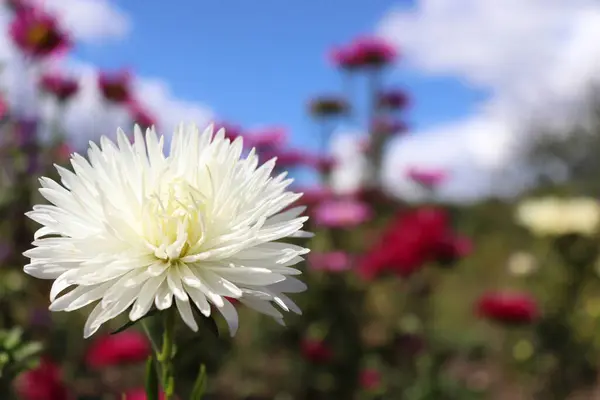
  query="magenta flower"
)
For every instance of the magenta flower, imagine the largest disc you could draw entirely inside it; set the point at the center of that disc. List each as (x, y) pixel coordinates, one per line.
(335, 261)
(342, 213)
(37, 33)
(141, 116)
(61, 87)
(344, 57)
(267, 137)
(393, 99)
(429, 178)
(115, 86)
(362, 52)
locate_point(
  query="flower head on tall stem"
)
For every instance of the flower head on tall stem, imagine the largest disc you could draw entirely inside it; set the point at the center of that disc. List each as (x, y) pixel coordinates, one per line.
(133, 228)
(392, 99)
(508, 307)
(115, 86)
(37, 33)
(328, 106)
(59, 86)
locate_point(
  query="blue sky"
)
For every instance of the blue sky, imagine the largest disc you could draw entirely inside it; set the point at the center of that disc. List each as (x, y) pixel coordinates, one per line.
(257, 63)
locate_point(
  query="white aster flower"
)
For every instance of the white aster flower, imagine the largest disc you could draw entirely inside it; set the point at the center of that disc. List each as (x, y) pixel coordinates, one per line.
(132, 228)
(553, 216)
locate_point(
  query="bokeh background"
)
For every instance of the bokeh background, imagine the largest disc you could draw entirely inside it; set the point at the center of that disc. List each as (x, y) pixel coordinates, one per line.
(448, 151)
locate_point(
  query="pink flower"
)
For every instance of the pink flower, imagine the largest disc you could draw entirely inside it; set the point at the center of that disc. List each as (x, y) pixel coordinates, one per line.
(123, 348)
(115, 87)
(61, 87)
(344, 213)
(37, 33)
(139, 394)
(141, 116)
(370, 379)
(42, 383)
(3, 108)
(394, 99)
(271, 137)
(324, 163)
(335, 261)
(427, 177)
(364, 52)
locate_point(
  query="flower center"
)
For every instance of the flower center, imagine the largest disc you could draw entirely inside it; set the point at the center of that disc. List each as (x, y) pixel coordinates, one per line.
(173, 223)
(37, 34)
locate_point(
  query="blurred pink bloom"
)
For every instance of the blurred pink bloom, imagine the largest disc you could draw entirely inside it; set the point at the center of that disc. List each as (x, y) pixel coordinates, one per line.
(61, 87)
(427, 177)
(3, 108)
(453, 248)
(141, 116)
(393, 99)
(18, 5)
(335, 261)
(370, 379)
(115, 86)
(37, 33)
(365, 51)
(124, 348)
(139, 394)
(324, 163)
(267, 137)
(508, 307)
(42, 383)
(342, 213)
(232, 131)
(289, 158)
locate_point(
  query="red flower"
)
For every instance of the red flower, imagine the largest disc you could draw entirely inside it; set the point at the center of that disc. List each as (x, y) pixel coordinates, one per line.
(42, 383)
(271, 137)
(452, 248)
(115, 87)
(141, 116)
(123, 348)
(392, 99)
(345, 57)
(511, 308)
(316, 351)
(61, 87)
(370, 379)
(37, 33)
(140, 394)
(412, 239)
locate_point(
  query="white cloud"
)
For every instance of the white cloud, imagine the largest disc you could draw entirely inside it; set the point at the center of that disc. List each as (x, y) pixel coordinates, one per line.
(536, 58)
(90, 20)
(87, 116)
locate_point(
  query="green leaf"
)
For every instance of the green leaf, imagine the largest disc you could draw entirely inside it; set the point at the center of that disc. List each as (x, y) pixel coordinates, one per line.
(27, 350)
(129, 324)
(151, 380)
(13, 338)
(199, 385)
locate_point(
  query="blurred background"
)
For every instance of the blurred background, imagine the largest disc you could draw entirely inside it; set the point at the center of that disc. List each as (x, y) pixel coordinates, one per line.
(449, 156)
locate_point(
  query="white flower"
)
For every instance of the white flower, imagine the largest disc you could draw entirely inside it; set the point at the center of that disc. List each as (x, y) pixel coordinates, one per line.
(552, 216)
(133, 227)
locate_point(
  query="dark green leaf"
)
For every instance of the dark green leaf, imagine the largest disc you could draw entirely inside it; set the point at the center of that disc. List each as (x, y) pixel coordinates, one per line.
(129, 324)
(151, 381)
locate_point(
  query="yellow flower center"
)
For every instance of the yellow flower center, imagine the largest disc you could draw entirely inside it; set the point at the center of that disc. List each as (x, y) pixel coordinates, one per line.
(37, 34)
(173, 220)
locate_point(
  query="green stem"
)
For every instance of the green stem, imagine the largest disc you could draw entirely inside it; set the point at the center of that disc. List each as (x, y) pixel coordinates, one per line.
(165, 357)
